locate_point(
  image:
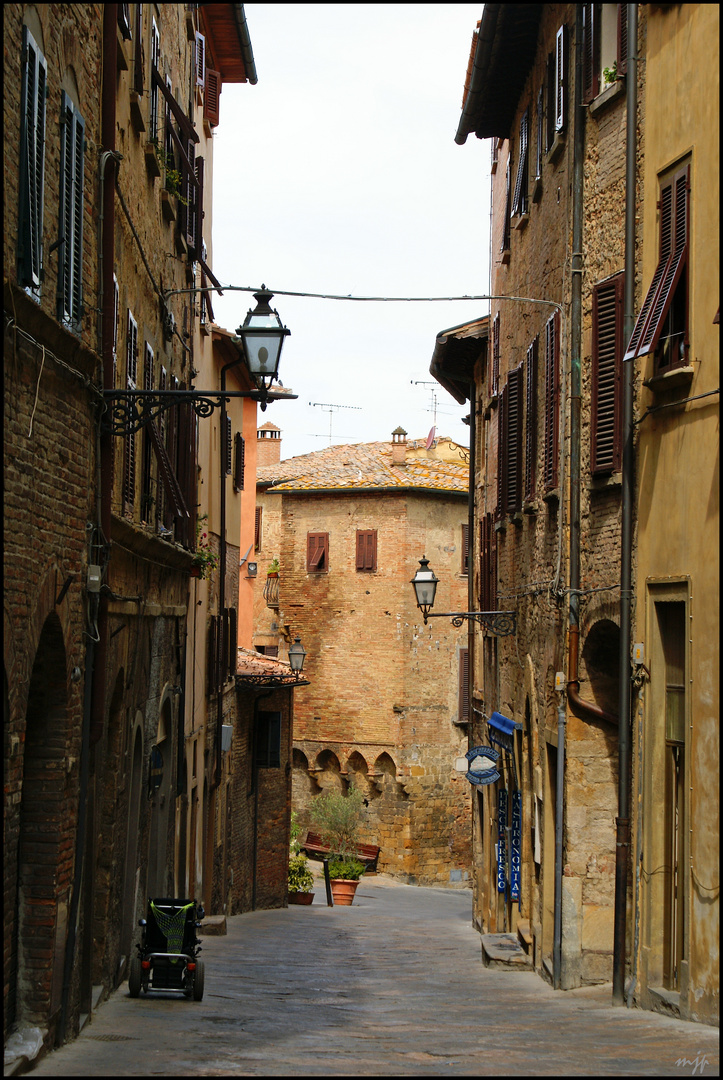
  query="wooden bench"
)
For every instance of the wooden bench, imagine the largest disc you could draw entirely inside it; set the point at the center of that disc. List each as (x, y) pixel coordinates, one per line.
(366, 853)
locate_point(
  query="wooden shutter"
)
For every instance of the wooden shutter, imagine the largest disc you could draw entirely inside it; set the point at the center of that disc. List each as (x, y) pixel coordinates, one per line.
(239, 461)
(552, 393)
(156, 81)
(495, 382)
(72, 152)
(366, 549)
(227, 445)
(146, 454)
(129, 462)
(540, 134)
(508, 206)
(190, 191)
(138, 52)
(167, 474)
(531, 422)
(463, 698)
(257, 527)
(212, 656)
(317, 557)
(465, 548)
(32, 162)
(591, 51)
(124, 20)
(232, 640)
(488, 568)
(519, 203)
(502, 451)
(212, 95)
(622, 39)
(550, 125)
(200, 59)
(561, 79)
(194, 210)
(513, 500)
(607, 354)
(673, 256)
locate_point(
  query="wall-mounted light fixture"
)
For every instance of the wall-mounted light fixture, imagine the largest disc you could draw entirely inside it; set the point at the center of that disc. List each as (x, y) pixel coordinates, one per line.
(251, 569)
(297, 655)
(501, 623)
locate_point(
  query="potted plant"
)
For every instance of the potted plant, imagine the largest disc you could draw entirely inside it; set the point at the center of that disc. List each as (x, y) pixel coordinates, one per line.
(301, 879)
(336, 817)
(205, 559)
(273, 569)
(344, 874)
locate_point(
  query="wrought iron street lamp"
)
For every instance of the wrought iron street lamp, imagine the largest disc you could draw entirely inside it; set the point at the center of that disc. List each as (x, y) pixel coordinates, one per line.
(501, 623)
(297, 655)
(262, 334)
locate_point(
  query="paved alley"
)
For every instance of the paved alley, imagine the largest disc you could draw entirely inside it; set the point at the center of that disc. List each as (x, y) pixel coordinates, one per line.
(393, 985)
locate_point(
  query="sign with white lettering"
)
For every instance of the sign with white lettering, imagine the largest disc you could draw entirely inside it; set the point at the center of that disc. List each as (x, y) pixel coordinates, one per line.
(482, 761)
(515, 845)
(501, 842)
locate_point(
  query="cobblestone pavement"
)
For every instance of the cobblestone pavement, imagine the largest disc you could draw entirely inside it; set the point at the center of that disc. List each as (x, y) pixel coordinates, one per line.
(393, 985)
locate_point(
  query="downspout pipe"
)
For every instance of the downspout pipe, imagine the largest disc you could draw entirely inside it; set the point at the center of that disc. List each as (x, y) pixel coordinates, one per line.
(622, 844)
(470, 545)
(575, 343)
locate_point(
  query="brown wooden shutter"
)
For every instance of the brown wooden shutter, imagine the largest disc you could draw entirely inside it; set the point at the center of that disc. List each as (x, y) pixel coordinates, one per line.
(124, 21)
(622, 39)
(540, 134)
(227, 445)
(552, 393)
(666, 244)
(508, 205)
(502, 452)
(317, 551)
(488, 569)
(366, 549)
(129, 464)
(212, 671)
(607, 354)
(495, 381)
(531, 422)
(211, 100)
(239, 462)
(513, 501)
(146, 493)
(591, 51)
(167, 474)
(257, 528)
(465, 548)
(463, 705)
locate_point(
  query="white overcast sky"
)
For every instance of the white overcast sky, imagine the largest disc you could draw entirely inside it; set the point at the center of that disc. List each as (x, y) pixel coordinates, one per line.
(338, 173)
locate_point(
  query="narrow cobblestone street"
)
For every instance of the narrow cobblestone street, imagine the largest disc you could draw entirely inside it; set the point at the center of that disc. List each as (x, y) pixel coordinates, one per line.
(393, 985)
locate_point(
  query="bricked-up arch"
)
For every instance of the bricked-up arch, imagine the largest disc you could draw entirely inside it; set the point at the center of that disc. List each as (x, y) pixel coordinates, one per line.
(358, 773)
(600, 662)
(48, 818)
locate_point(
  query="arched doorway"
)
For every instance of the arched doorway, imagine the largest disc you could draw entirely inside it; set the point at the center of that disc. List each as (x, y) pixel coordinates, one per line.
(45, 854)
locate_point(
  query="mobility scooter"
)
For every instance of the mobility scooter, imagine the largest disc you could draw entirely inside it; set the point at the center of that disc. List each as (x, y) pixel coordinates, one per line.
(168, 951)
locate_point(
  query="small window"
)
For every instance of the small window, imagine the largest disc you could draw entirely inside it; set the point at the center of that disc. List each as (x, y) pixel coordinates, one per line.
(200, 59)
(366, 549)
(317, 552)
(257, 528)
(465, 549)
(268, 740)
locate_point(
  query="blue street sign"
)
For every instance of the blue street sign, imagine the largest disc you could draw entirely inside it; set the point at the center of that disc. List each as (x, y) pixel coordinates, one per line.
(501, 842)
(515, 846)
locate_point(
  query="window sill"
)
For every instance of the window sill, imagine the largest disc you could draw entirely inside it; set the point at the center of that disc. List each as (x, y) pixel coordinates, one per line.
(501, 526)
(153, 166)
(493, 167)
(605, 481)
(121, 52)
(558, 145)
(516, 518)
(529, 508)
(520, 221)
(670, 380)
(167, 206)
(136, 112)
(505, 256)
(537, 189)
(607, 97)
(551, 496)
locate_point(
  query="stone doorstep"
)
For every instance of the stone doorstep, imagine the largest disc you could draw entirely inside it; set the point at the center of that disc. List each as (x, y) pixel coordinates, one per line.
(212, 926)
(504, 951)
(524, 934)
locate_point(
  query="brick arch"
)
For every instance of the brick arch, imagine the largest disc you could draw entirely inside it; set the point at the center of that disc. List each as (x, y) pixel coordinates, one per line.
(358, 774)
(44, 856)
(327, 769)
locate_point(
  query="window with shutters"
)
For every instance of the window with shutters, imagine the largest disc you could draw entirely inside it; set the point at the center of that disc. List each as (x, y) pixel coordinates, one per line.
(317, 552)
(138, 74)
(231, 635)
(550, 111)
(268, 740)
(124, 20)
(464, 569)
(258, 523)
(200, 59)
(488, 564)
(463, 680)
(239, 461)
(495, 379)
(502, 453)
(520, 204)
(147, 499)
(605, 46)
(211, 97)
(508, 207)
(513, 433)
(561, 79)
(607, 356)
(662, 325)
(116, 316)
(539, 137)
(155, 63)
(160, 494)
(129, 463)
(366, 549)
(226, 444)
(552, 402)
(32, 164)
(72, 154)
(531, 422)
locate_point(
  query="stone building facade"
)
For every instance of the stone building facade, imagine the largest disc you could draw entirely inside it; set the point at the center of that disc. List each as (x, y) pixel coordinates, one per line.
(561, 456)
(119, 763)
(382, 709)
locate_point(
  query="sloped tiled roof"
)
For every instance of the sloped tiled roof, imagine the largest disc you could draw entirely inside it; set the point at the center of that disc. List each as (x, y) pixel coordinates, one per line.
(363, 466)
(259, 670)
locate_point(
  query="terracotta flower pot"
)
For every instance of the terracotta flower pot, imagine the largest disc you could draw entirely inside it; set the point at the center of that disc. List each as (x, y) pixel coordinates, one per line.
(301, 897)
(342, 891)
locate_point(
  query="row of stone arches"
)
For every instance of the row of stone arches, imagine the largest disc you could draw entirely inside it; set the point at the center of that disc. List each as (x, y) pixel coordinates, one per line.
(324, 770)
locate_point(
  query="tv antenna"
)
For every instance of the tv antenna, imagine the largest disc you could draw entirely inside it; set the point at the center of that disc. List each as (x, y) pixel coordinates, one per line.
(331, 409)
(420, 382)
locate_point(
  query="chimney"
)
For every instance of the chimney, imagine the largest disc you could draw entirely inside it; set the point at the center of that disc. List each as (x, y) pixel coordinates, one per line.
(268, 445)
(399, 447)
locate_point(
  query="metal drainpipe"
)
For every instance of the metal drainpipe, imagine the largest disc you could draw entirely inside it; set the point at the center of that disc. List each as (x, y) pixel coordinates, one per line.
(470, 549)
(622, 843)
(575, 349)
(559, 805)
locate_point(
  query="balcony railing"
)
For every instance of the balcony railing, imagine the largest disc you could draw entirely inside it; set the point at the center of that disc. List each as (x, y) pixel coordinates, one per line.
(271, 592)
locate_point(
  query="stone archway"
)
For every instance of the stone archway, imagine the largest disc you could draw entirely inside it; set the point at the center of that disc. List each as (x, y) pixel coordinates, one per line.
(47, 824)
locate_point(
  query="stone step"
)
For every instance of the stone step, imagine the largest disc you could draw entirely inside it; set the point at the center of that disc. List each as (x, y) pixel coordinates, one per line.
(504, 951)
(524, 934)
(212, 926)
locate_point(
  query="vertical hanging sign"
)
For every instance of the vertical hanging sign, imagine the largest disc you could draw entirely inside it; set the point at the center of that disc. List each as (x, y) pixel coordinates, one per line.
(502, 842)
(515, 841)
